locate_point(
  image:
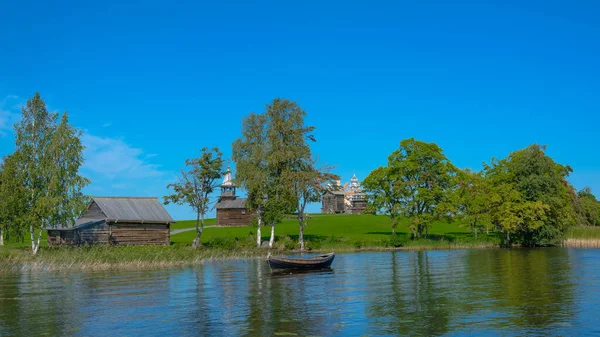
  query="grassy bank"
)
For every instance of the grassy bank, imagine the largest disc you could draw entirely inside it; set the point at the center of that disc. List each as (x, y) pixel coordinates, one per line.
(339, 233)
(344, 233)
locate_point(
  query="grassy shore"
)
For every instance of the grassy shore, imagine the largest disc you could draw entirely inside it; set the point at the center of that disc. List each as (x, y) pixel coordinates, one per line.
(342, 232)
(339, 233)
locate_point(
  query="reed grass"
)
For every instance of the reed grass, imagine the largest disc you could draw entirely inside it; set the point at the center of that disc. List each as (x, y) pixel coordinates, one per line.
(583, 232)
(116, 257)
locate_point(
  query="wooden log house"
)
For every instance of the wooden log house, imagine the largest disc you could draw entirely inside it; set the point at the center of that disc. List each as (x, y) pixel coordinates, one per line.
(117, 221)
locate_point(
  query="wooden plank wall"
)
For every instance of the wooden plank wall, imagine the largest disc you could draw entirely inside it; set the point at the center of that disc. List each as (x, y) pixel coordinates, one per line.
(230, 217)
(140, 234)
(96, 234)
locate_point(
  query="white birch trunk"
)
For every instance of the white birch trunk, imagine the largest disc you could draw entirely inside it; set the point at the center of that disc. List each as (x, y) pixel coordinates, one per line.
(258, 234)
(32, 234)
(1, 236)
(301, 237)
(39, 239)
(272, 240)
(35, 244)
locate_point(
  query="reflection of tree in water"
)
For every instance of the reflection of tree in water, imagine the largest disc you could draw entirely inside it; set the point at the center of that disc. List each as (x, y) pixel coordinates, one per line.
(33, 304)
(429, 293)
(412, 300)
(299, 304)
(532, 287)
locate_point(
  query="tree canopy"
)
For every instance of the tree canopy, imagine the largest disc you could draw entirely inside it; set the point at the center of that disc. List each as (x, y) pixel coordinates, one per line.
(417, 183)
(196, 185)
(48, 155)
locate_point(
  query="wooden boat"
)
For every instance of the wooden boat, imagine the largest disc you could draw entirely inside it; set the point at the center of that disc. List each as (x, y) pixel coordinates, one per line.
(313, 263)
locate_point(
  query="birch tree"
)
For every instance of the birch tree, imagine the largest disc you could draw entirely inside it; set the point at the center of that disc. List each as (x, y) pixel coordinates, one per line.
(197, 184)
(270, 151)
(250, 157)
(48, 156)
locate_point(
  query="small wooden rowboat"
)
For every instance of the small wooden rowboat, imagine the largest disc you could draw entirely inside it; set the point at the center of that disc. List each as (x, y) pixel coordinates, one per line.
(313, 263)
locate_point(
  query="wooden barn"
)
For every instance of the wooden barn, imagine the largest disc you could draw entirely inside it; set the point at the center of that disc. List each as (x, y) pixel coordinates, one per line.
(117, 221)
(231, 210)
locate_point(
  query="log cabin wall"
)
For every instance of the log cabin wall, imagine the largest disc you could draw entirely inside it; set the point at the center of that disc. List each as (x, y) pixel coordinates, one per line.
(139, 234)
(230, 217)
(358, 206)
(98, 233)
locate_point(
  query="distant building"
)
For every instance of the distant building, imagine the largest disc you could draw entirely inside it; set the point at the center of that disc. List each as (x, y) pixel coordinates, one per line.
(348, 199)
(333, 201)
(231, 210)
(117, 221)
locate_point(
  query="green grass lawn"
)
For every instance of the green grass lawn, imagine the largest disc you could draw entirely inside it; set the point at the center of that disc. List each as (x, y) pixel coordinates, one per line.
(331, 231)
(191, 223)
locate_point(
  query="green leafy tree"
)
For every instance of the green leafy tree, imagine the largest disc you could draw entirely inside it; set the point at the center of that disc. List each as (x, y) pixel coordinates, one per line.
(288, 152)
(528, 181)
(512, 214)
(473, 200)
(383, 196)
(250, 156)
(12, 200)
(590, 207)
(270, 156)
(197, 184)
(48, 156)
(418, 183)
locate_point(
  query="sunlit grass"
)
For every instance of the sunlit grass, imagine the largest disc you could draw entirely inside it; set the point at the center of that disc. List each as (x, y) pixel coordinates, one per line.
(582, 232)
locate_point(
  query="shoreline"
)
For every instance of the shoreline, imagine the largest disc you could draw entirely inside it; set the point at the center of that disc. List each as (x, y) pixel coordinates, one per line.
(106, 258)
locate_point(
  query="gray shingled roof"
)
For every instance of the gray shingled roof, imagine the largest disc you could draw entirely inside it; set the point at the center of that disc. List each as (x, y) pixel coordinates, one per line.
(142, 209)
(236, 203)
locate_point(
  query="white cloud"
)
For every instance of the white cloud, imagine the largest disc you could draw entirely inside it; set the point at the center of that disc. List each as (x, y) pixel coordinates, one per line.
(8, 114)
(114, 159)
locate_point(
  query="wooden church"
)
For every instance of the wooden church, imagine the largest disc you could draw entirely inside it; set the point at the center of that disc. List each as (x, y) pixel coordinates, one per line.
(231, 210)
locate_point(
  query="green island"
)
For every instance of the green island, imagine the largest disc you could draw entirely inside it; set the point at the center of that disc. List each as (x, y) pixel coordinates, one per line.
(325, 233)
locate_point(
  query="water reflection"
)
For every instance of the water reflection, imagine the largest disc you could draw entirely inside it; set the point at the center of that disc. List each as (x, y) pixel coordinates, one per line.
(495, 291)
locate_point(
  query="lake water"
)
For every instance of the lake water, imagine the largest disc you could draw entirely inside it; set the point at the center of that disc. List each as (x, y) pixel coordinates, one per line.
(492, 292)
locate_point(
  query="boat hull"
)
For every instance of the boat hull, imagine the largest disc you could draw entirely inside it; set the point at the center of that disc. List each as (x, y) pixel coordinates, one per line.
(282, 263)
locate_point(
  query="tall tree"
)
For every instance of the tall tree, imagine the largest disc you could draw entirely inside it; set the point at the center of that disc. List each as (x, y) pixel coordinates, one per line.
(196, 185)
(426, 180)
(590, 207)
(530, 180)
(287, 152)
(473, 200)
(383, 196)
(250, 155)
(49, 154)
(418, 183)
(272, 150)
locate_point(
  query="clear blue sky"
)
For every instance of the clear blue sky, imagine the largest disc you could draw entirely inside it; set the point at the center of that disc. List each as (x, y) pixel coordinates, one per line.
(151, 83)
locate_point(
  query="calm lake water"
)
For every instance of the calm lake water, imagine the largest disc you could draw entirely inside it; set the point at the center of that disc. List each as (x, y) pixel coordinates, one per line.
(550, 291)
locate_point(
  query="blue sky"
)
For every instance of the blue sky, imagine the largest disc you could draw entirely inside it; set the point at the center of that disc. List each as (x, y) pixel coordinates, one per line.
(152, 83)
